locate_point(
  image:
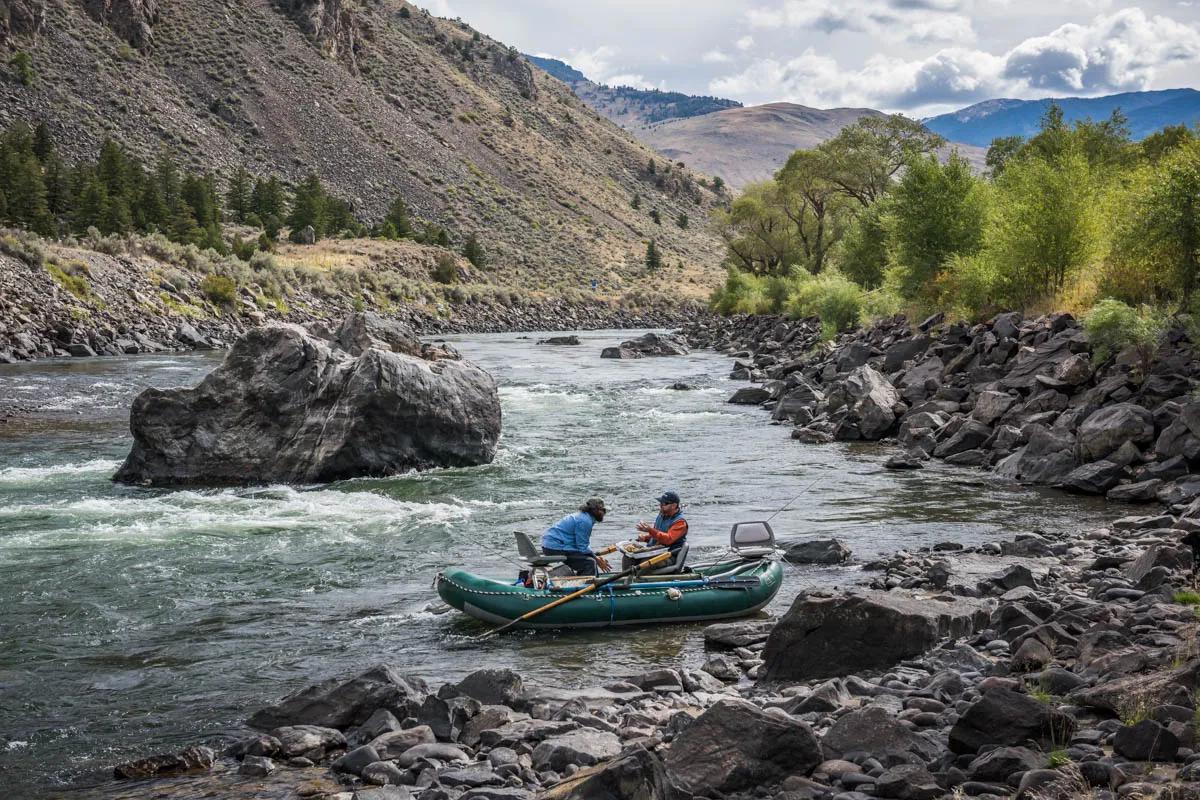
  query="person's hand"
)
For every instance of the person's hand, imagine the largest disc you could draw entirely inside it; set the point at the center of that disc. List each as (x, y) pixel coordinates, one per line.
(645, 537)
(602, 563)
(644, 527)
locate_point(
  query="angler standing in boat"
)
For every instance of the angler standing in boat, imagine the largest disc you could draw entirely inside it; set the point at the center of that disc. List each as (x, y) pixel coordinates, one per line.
(571, 537)
(670, 529)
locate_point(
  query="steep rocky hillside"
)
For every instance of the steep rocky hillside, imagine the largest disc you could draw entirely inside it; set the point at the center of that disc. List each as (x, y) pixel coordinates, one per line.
(377, 97)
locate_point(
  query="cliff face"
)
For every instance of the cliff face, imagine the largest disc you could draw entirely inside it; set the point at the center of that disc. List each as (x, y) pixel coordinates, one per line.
(21, 18)
(381, 100)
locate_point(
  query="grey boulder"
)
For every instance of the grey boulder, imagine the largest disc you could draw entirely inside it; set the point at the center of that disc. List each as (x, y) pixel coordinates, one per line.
(296, 405)
(822, 637)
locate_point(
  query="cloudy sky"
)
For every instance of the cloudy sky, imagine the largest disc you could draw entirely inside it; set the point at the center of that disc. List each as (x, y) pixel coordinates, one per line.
(916, 56)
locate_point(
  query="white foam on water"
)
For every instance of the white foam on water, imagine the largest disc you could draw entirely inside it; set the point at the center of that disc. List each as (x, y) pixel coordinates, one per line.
(15, 745)
(541, 393)
(659, 390)
(335, 515)
(27, 474)
(675, 416)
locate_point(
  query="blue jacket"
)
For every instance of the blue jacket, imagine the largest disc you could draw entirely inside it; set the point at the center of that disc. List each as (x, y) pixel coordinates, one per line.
(573, 532)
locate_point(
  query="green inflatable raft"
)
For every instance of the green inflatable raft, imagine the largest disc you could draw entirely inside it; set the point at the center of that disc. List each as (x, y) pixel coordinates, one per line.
(743, 582)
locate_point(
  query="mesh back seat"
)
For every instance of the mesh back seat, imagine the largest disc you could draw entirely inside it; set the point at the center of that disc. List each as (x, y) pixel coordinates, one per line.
(752, 540)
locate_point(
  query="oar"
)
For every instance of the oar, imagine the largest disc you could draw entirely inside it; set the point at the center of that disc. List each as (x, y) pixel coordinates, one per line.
(650, 562)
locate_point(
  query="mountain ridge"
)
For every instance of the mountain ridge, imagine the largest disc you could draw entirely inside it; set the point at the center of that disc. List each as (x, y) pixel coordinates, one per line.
(1148, 112)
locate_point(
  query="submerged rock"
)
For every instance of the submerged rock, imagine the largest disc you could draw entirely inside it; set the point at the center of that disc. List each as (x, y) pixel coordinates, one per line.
(337, 703)
(189, 759)
(290, 405)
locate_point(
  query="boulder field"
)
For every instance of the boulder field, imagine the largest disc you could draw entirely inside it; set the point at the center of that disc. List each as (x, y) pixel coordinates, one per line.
(308, 405)
(1024, 398)
(1066, 666)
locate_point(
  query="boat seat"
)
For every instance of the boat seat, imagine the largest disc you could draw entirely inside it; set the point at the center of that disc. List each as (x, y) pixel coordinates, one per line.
(752, 540)
(673, 567)
(531, 554)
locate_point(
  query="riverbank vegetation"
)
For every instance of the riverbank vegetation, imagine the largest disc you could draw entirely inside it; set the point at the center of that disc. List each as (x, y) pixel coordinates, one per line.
(873, 221)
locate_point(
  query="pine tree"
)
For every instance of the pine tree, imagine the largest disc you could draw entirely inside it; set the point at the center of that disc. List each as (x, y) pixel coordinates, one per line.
(650, 167)
(267, 200)
(474, 252)
(654, 215)
(682, 221)
(111, 169)
(637, 201)
(308, 208)
(91, 208)
(653, 257)
(238, 198)
(26, 193)
(43, 142)
(397, 216)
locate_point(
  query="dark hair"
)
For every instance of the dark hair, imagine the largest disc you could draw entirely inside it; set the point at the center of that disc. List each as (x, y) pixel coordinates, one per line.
(593, 506)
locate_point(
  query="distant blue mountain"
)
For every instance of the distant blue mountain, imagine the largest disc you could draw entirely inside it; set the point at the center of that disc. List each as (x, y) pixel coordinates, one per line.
(1148, 112)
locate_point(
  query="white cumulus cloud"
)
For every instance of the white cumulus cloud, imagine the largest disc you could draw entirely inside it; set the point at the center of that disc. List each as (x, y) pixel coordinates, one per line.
(715, 57)
(1122, 51)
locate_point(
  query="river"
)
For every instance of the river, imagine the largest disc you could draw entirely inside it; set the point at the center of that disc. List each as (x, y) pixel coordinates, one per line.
(140, 620)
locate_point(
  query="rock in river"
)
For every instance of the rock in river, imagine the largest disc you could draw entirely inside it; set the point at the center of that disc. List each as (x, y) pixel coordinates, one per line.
(649, 344)
(296, 405)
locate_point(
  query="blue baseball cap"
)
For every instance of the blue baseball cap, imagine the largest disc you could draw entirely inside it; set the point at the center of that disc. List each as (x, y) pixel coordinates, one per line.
(669, 497)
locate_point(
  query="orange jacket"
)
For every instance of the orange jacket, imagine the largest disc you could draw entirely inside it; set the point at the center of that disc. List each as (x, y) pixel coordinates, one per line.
(670, 536)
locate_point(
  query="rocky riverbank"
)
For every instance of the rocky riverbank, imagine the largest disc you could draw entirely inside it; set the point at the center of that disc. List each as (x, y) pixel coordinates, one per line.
(1025, 398)
(1051, 666)
(59, 301)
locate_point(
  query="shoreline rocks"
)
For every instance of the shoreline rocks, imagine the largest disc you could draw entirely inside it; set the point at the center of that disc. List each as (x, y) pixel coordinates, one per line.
(1020, 397)
(290, 405)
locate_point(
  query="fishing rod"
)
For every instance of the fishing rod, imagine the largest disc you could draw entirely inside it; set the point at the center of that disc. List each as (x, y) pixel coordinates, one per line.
(794, 499)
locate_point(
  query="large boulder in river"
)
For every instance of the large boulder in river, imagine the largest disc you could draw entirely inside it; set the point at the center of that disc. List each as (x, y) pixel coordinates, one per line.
(1005, 717)
(296, 405)
(648, 344)
(1110, 427)
(822, 637)
(736, 745)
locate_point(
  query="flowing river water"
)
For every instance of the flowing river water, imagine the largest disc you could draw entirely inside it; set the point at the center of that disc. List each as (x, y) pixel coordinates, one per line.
(137, 620)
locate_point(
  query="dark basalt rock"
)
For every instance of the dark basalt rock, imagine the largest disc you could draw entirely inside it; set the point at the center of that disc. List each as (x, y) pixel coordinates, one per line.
(290, 405)
(735, 745)
(338, 703)
(1005, 717)
(190, 759)
(821, 637)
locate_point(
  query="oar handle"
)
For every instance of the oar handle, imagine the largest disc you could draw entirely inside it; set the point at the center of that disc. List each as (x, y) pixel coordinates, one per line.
(650, 562)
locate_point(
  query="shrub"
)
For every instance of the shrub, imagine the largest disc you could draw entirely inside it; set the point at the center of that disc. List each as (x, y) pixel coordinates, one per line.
(1187, 597)
(219, 289)
(22, 66)
(71, 280)
(1112, 326)
(831, 297)
(23, 248)
(742, 293)
(446, 270)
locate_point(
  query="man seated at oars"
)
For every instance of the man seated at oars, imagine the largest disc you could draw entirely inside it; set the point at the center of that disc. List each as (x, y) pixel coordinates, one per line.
(571, 538)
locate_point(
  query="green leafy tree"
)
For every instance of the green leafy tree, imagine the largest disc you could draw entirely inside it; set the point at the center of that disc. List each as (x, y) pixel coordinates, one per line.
(1159, 227)
(653, 256)
(1002, 150)
(862, 253)
(814, 204)
(1046, 225)
(864, 158)
(759, 238)
(936, 212)
(1165, 141)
